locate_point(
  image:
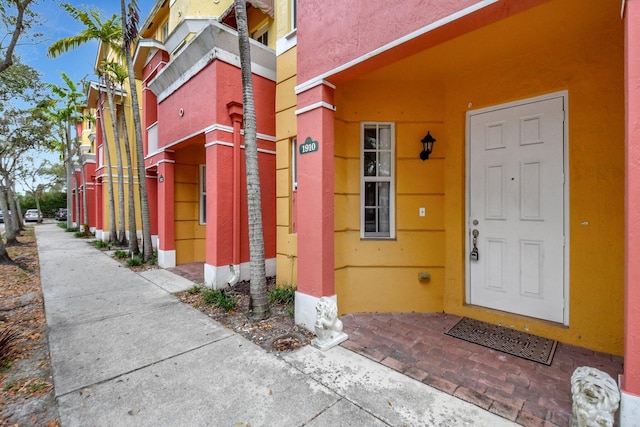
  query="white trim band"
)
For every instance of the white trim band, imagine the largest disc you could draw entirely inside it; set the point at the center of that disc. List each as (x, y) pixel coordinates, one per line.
(320, 104)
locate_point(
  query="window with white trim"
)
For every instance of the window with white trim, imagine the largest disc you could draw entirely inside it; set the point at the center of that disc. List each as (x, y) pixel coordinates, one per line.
(203, 194)
(261, 35)
(294, 164)
(294, 185)
(164, 31)
(377, 183)
(294, 16)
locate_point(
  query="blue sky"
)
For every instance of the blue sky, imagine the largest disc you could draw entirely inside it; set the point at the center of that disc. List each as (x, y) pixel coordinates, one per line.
(56, 24)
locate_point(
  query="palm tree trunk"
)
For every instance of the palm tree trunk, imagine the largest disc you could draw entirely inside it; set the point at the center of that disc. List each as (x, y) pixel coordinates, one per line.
(85, 208)
(142, 186)
(107, 165)
(76, 204)
(258, 301)
(69, 166)
(122, 237)
(133, 233)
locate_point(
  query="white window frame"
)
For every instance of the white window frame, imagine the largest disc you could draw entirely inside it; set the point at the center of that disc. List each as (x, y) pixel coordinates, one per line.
(261, 35)
(294, 163)
(294, 15)
(203, 194)
(164, 31)
(391, 179)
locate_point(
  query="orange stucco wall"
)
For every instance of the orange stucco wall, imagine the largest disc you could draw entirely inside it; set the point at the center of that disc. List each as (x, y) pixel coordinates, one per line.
(190, 235)
(545, 49)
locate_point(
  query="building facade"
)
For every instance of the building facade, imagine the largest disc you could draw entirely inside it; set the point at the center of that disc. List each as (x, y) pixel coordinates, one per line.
(516, 217)
(188, 62)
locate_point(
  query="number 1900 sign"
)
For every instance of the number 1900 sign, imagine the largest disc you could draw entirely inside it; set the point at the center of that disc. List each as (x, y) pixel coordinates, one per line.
(309, 146)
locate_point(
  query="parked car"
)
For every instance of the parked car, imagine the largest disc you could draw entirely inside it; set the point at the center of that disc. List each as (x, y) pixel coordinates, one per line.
(61, 214)
(33, 215)
(2, 216)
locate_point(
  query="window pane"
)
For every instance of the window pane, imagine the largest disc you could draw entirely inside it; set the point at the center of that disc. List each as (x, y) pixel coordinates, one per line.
(370, 136)
(383, 203)
(370, 220)
(369, 164)
(384, 165)
(384, 138)
(383, 220)
(204, 208)
(370, 194)
(383, 194)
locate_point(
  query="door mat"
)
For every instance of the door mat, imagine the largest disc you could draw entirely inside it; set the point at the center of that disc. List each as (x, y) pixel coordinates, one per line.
(506, 340)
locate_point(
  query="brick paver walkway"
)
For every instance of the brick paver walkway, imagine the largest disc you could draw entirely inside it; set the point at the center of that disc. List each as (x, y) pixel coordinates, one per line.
(526, 392)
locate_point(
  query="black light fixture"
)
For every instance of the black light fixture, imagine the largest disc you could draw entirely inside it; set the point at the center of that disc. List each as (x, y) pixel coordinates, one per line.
(161, 179)
(427, 146)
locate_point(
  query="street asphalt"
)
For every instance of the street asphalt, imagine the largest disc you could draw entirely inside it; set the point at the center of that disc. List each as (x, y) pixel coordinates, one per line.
(126, 352)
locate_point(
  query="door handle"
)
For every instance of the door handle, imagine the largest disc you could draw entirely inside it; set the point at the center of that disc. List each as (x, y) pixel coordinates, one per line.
(474, 255)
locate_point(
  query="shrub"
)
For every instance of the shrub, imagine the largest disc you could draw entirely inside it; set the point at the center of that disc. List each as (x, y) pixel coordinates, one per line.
(219, 298)
(285, 294)
(100, 244)
(72, 229)
(195, 289)
(135, 261)
(120, 254)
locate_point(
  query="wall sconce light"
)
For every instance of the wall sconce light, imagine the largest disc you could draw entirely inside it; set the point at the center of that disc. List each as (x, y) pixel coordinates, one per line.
(427, 146)
(161, 179)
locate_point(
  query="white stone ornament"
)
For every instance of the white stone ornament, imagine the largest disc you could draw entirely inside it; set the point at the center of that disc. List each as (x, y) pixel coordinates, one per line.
(328, 327)
(595, 398)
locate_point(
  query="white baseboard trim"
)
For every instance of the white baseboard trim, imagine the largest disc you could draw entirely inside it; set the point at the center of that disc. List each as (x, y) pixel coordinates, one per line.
(629, 409)
(217, 277)
(167, 259)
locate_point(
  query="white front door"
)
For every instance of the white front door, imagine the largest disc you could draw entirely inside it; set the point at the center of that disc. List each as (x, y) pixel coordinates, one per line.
(516, 205)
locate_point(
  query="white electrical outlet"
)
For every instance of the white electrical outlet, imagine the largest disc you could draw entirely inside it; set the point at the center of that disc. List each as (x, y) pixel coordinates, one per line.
(422, 212)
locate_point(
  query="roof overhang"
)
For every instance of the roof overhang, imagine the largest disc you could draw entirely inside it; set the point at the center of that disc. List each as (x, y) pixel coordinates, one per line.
(145, 49)
(94, 90)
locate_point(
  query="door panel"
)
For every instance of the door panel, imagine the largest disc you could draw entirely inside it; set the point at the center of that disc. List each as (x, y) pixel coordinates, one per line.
(516, 203)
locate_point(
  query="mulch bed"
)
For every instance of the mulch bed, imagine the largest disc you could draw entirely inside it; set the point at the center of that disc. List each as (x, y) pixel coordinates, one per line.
(26, 386)
(278, 333)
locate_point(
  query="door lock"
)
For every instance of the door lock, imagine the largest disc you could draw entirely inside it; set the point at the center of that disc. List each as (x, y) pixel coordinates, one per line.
(474, 256)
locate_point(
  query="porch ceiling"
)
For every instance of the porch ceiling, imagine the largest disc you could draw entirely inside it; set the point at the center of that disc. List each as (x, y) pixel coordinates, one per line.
(498, 33)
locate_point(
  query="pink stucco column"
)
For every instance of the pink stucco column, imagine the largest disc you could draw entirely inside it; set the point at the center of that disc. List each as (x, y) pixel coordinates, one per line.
(315, 196)
(166, 213)
(630, 405)
(152, 198)
(220, 220)
(98, 206)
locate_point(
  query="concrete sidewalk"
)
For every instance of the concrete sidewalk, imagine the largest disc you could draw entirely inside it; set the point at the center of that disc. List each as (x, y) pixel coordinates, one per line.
(126, 352)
